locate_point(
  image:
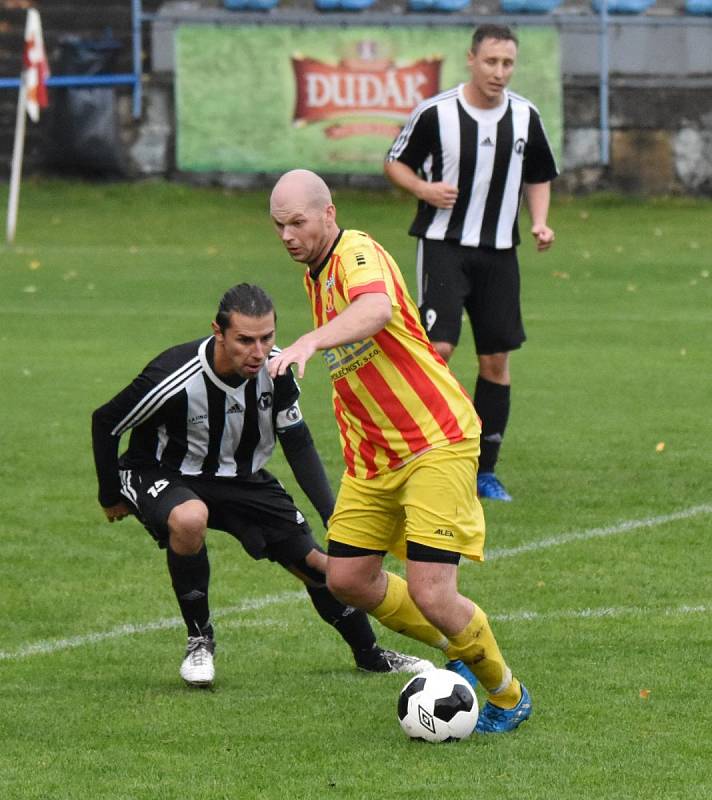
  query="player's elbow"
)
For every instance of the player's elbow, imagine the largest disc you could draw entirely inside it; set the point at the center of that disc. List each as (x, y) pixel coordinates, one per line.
(382, 311)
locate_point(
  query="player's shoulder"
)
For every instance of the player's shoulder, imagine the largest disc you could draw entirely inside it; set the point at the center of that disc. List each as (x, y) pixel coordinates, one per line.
(177, 356)
(437, 99)
(520, 100)
(279, 380)
(357, 247)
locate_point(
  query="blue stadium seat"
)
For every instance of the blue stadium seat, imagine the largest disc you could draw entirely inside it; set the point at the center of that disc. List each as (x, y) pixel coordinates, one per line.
(623, 6)
(438, 5)
(699, 7)
(343, 5)
(250, 5)
(528, 6)
(356, 5)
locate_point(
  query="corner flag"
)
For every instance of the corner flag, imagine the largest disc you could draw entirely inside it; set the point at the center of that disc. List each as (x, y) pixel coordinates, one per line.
(32, 97)
(35, 66)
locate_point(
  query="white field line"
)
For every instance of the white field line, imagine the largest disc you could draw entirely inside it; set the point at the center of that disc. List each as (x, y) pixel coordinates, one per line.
(594, 533)
(601, 613)
(46, 646)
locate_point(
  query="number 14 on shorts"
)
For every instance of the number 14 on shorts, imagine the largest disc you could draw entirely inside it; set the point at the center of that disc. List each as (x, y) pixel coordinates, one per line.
(157, 487)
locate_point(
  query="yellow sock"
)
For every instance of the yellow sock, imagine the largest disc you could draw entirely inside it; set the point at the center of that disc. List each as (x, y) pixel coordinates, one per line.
(477, 647)
(398, 612)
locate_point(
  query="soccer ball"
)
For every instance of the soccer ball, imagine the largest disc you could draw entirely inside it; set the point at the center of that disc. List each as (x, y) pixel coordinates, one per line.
(438, 706)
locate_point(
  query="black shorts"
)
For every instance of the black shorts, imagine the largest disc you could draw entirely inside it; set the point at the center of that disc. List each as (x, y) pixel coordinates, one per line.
(415, 552)
(482, 281)
(257, 511)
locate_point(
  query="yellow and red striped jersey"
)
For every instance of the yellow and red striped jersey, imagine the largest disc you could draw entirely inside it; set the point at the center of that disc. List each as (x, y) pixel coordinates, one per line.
(394, 397)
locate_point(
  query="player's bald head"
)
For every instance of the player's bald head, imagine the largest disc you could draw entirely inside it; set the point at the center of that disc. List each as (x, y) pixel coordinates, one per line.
(303, 215)
(300, 189)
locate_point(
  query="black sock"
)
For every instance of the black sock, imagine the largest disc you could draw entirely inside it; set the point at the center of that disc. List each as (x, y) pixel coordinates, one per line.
(352, 624)
(492, 406)
(190, 576)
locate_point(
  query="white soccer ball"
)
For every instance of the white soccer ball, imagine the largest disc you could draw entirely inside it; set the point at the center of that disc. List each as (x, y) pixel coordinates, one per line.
(438, 706)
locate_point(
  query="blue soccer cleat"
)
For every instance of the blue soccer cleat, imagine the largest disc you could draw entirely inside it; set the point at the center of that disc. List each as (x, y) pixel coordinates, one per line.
(462, 670)
(493, 719)
(490, 487)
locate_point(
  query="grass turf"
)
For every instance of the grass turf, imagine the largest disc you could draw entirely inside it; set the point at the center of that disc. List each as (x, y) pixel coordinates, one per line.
(610, 632)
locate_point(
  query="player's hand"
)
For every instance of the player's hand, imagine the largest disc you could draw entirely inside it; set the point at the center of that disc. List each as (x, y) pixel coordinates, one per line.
(543, 236)
(439, 195)
(298, 354)
(117, 512)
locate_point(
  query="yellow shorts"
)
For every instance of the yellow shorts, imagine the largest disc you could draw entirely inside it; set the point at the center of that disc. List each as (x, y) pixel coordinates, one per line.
(431, 500)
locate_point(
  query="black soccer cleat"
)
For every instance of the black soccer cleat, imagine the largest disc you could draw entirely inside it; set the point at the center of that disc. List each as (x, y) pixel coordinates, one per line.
(379, 660)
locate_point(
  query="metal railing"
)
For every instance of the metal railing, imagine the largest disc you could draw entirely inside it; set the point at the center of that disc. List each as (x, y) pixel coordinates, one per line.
(132, 79)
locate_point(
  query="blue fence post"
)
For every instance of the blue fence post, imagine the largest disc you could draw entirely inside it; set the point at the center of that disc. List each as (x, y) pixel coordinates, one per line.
(604, 66)
(136, 19)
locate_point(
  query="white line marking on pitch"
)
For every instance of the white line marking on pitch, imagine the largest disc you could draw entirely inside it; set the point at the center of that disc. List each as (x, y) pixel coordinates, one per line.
(54, 645)
(45, 646)
(601, 613)
(594, 533)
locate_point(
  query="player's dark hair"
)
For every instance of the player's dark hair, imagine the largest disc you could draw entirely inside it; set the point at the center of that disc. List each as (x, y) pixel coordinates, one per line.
(247, 299)
(502, 33)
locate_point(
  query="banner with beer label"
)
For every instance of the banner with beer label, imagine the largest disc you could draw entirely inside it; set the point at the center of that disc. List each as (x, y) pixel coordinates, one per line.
(267, 98)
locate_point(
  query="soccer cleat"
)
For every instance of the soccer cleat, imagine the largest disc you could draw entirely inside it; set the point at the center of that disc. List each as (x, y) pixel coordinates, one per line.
(493, 719)
(462, 670)
(490, 487)
(197, 668)
(379, 660)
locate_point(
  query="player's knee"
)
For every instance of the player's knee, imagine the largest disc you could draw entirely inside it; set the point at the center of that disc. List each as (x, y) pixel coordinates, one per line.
(428, 597)
(347, 588)
(444, 349)
(495, 368)
(187, 524)
(311, 571)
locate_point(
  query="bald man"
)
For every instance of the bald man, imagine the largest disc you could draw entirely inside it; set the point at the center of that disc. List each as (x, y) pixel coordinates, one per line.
(410, 440)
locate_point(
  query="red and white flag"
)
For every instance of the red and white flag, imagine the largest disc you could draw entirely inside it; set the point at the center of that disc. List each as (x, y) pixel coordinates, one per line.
(35, 69)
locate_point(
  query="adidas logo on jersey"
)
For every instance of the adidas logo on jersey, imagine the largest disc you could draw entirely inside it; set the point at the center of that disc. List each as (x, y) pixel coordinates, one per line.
(487, 142)
(235, 408)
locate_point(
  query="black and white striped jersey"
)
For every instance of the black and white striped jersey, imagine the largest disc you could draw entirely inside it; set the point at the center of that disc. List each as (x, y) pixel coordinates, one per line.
(487, 154)
(184, 417)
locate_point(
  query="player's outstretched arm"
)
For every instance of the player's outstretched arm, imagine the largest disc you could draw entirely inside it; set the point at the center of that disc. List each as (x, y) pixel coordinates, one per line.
(367, 315)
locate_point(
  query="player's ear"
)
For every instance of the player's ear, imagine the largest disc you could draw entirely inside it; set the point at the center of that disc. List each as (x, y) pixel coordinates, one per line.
(216, 328)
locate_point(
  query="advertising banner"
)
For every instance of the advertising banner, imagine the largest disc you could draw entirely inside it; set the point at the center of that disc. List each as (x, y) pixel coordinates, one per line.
(268, 98)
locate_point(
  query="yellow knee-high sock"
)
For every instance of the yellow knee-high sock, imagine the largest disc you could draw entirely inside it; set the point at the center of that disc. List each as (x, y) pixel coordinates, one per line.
(398, 612)
(477, 647)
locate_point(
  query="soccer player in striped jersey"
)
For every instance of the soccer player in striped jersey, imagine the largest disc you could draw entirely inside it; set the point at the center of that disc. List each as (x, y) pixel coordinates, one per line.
(468, 154)
(410, 440)
(204, 419)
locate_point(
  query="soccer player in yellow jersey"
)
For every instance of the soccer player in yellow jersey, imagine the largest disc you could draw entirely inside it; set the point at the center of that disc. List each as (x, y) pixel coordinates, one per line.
(410, 441)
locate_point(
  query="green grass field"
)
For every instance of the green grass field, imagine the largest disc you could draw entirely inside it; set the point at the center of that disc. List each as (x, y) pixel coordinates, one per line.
(598, 578)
